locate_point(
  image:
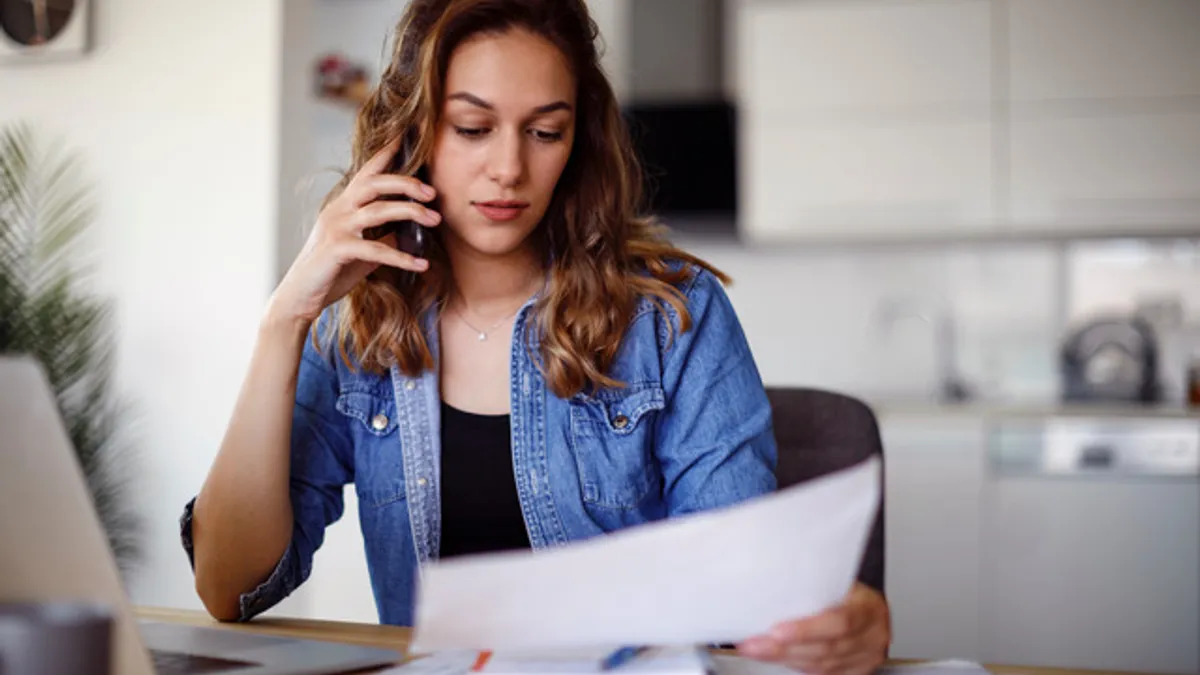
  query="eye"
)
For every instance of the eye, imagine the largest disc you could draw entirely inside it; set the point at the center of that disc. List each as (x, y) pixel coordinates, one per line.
(470, 132)
(547, 136)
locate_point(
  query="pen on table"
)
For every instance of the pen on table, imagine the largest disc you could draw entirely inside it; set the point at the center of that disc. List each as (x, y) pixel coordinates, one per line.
(481, 660)
(621, 656)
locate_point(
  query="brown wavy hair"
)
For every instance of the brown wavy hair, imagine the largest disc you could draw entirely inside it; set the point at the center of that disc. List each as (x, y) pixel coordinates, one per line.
(603, 255)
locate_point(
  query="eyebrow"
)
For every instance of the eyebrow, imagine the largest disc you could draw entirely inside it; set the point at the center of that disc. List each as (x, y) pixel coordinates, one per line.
(480, 103)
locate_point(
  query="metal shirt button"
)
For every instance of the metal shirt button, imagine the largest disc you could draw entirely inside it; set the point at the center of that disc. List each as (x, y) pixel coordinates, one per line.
(620, 421)
(379, 422)
(421, 482)
(410, 385)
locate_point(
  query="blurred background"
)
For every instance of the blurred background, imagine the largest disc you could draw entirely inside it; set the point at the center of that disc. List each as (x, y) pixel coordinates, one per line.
(980, 216)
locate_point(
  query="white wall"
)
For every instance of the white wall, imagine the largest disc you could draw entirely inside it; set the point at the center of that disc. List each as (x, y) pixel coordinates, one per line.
(177, 116)
(295, 148)
(816, 318)
(612, 17)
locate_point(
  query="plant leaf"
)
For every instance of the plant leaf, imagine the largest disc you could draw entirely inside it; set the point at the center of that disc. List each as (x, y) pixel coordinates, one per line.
(45, 208)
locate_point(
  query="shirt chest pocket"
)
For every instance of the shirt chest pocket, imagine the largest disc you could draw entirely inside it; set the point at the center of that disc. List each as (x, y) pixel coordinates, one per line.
(379, 466)
(613, 443)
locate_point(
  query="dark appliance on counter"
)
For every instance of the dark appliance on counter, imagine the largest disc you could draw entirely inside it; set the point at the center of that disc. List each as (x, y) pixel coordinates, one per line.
(1111, 359)
(688, 151)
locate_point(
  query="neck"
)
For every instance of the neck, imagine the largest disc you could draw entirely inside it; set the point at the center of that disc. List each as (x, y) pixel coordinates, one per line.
(493, 285)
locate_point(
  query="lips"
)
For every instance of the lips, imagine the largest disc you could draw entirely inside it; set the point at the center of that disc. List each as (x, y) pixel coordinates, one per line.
(501, 210)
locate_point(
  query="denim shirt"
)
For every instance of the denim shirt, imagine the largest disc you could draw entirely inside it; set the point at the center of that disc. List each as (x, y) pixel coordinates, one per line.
(691, 430)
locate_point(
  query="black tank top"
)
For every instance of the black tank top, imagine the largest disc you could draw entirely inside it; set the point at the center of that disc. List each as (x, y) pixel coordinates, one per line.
(480, 509)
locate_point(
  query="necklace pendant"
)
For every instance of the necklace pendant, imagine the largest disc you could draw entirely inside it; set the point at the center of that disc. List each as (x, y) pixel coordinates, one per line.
(482, 337)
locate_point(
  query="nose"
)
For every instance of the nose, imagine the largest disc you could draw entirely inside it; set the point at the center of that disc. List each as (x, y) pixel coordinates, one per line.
(506, 161)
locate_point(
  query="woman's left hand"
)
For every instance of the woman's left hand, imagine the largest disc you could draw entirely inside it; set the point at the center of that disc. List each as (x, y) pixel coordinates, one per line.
(849, 639)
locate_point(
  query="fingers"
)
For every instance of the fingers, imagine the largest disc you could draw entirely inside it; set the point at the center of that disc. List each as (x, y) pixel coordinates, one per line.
(807, 658)
(380, 161)
(369, 188)
(762, 648)
(843, 657)
(850, 639)
(863, 609)
(828, 625)
(378, 253)
(806, 652)
(378, 213)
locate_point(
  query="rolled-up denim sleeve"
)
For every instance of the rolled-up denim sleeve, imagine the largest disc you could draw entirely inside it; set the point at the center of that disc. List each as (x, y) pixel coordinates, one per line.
(715, 443)
(321, 459)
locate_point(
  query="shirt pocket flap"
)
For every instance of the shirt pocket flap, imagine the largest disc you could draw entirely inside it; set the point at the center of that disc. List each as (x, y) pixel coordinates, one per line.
(379, 464)
(613, 442)
(620, 412)
(377, 414)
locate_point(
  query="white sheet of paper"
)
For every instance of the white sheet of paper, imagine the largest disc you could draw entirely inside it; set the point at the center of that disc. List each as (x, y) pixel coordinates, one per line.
(717, 576)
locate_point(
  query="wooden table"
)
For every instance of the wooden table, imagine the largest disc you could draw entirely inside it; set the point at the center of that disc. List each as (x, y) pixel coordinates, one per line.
(392, 637)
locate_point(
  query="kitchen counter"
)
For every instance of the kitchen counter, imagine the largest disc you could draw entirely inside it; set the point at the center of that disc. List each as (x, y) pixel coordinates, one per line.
(1000, 410)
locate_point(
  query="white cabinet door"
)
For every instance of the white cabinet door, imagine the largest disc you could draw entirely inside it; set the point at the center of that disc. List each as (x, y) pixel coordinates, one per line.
(859, 181)
(1091, 574)
(864, 118)
(1103, 50)
(934, 474)
(930, 56)
(1107, 172)
(1104, 128)
(1091, 545)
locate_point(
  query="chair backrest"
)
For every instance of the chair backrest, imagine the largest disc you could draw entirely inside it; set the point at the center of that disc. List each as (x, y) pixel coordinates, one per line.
(819, 432)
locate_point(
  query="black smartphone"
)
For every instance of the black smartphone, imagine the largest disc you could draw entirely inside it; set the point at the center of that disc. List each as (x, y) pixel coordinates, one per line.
(411, 236)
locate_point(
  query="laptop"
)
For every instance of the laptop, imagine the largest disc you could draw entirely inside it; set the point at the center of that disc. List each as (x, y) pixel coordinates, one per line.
(64, 555)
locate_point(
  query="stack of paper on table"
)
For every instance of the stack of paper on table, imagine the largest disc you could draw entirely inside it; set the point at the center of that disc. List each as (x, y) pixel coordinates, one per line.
(714, 577)
(461, 663)
(660, 661)
(735, 665)
(656, 661)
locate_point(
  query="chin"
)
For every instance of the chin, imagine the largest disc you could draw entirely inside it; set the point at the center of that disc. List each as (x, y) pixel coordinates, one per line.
(496, 240)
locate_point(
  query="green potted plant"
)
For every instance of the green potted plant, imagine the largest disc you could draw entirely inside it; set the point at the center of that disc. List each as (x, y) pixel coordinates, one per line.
(47, 312)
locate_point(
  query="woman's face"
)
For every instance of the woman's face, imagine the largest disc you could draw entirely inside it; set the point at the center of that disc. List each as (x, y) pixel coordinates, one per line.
(506, 132)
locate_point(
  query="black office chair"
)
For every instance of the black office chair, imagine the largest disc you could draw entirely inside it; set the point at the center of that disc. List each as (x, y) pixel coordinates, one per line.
(819, 432)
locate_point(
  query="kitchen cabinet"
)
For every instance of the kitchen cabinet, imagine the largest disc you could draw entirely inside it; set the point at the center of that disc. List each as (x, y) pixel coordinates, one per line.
(863, 181)
(934, 474)
(1104, 115)
(1091, 544)
(863, 119)
(873, 119)
(1106, 173)
(1058, 541)
(1101, 51)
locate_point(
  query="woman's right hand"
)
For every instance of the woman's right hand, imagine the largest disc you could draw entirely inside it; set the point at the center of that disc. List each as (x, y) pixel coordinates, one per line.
(336, 257)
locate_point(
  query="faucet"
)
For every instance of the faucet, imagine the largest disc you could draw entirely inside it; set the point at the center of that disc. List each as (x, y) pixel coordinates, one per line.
(940, 318)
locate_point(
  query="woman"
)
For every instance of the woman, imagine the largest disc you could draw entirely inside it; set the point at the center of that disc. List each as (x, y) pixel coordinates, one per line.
(549, 370)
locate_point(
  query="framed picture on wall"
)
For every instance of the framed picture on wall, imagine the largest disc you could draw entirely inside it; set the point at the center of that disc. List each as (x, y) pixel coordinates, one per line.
(37, 30)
